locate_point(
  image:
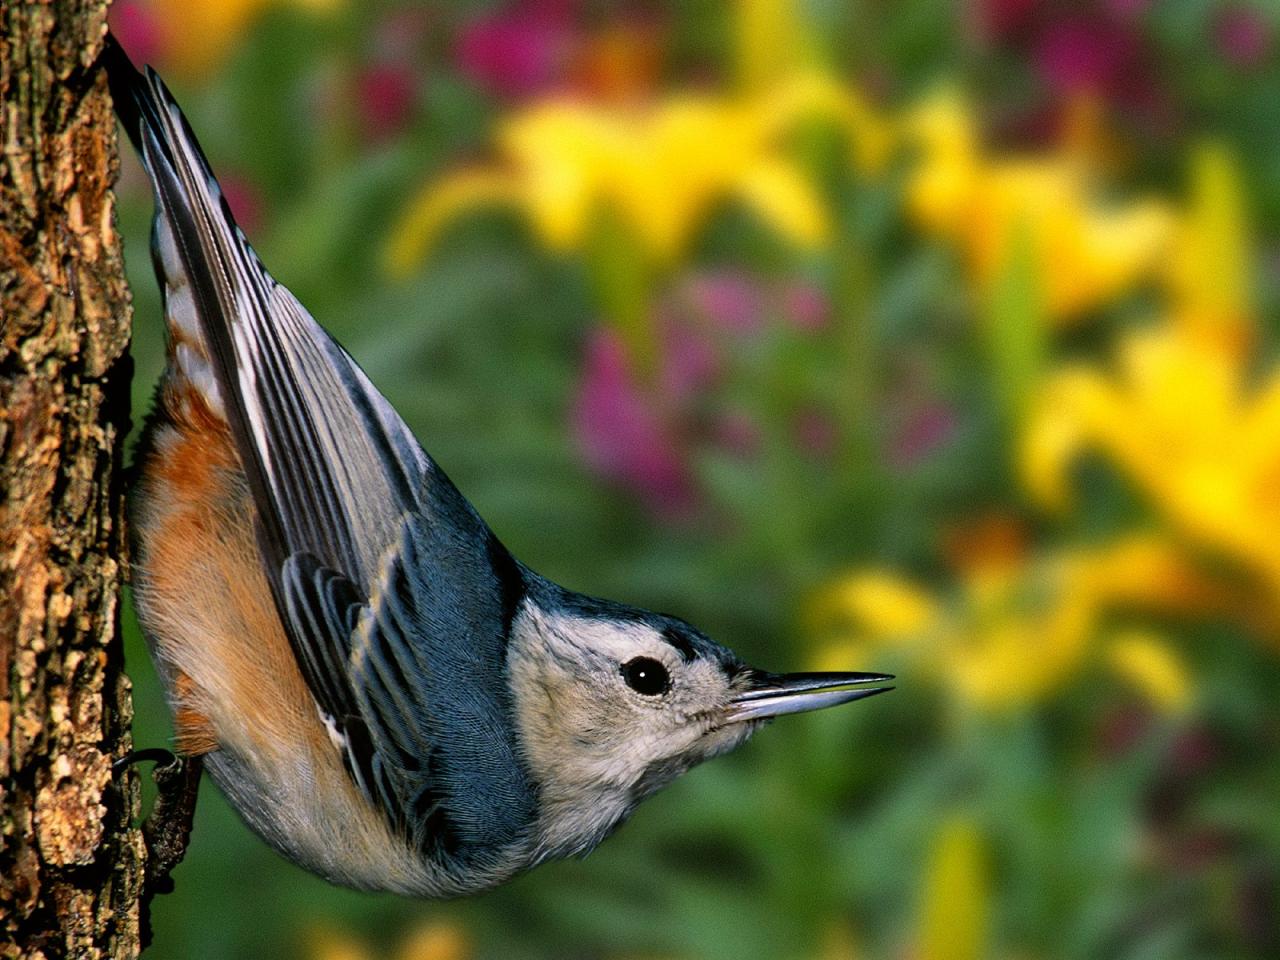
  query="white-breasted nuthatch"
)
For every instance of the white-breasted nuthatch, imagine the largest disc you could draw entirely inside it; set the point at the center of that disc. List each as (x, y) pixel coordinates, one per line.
(382, 691)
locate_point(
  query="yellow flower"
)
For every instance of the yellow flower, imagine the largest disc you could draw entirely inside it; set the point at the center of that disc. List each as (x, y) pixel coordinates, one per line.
(1209, 272)
(867, 610)
(1182, 411)
(1014, 629)
(1092, 251)
(881, 605)
(773, 41)
(1029, 630)
(660, 169)
(433, 940)
(1184, 420)
(956, 896)
(1150, 665)
(198, 34)
(1181, 418)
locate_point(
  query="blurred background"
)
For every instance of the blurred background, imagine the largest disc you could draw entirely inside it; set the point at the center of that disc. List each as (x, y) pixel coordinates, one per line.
(930, 337)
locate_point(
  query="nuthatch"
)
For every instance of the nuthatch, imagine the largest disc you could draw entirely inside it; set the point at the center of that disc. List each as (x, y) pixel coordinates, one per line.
(384, 693)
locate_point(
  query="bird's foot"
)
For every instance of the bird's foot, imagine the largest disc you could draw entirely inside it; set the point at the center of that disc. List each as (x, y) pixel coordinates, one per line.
(167, 829)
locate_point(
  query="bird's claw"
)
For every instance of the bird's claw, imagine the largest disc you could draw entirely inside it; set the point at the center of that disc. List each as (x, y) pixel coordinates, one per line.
(166, 831)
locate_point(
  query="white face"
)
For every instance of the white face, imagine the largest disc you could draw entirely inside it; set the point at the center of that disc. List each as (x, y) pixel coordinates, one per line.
(608, 712)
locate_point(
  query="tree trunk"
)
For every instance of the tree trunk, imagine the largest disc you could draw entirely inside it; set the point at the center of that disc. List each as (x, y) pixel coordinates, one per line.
(70, 859)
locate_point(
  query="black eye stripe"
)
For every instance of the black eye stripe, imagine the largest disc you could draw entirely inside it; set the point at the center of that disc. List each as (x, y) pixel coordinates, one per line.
(680, 642)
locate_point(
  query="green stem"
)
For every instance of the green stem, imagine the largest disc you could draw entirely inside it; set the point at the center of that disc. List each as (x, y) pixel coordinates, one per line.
(624, 282)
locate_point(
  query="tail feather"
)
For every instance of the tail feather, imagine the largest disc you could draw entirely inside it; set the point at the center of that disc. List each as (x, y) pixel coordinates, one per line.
(317, 441)
(332, 466)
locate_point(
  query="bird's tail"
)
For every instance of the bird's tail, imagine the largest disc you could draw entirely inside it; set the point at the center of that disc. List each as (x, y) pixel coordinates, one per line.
(193, 234)
(317, 442)
(128, 91)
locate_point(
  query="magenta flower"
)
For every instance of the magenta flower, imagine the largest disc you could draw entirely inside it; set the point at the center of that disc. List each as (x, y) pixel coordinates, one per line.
(520, 52)
(805, 307)
(244, 199)
(387, 94)
(138, 29)
(731, 300)
(1244, 37)
(1087, 55)
(1092, 48)
(623, 434)
(641, 428)
(922, 432)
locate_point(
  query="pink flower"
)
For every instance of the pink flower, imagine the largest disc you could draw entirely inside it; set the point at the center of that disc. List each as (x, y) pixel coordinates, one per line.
(641, 429)
(1086, 55)
(922, 432)
(387, 94)
(244, 199)
(690, 362)
(731, 300)
(520, 52)
(138, 29)
(1093, 48)
(806, 307)
(622, 433)
(1244, 37)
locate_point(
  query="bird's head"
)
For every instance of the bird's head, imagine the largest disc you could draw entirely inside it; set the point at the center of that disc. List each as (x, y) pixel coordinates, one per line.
(614, 702)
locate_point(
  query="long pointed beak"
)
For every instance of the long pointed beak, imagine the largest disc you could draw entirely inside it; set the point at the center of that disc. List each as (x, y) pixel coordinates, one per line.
(773, 694)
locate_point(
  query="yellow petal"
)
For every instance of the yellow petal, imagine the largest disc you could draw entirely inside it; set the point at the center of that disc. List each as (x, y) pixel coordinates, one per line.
(956, 895)
(771, 42)
(944, 185)
(419, 227)
(1210, 272)
(567, 155)
(1063, 422)
(1153, 667)
(958, 190)
(327, 943)
(875, 602)
(438, 940)
(777, 193)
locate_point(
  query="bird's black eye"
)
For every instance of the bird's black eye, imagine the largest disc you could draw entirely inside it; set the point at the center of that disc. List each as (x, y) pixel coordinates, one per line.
(646, 675)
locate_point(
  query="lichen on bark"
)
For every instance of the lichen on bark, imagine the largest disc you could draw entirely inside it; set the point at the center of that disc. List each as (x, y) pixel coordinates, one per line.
(70, 859)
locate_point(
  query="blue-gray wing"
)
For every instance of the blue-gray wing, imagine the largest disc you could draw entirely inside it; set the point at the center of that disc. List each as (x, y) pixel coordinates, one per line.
(434, 746)
(350, 510)
(429, 663)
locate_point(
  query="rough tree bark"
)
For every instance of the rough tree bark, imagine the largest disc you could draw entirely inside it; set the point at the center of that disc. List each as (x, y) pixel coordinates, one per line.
(70, 860)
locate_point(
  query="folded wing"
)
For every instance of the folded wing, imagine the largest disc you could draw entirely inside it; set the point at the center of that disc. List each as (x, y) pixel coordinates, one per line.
(346, 500)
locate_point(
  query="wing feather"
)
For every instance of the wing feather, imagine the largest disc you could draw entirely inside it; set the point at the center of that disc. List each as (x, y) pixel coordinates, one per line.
(351, 514)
